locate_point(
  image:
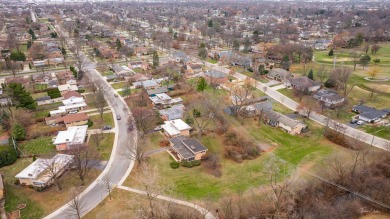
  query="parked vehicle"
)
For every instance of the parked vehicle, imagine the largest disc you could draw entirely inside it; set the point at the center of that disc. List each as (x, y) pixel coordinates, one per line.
(73, 112)
(353, 121)
(118, 117)
(106, 127)
(158, 128)
(360, 122)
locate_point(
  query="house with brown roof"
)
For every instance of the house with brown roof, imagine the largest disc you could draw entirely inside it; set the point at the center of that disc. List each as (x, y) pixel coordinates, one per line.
(75, 119)
(71, 94)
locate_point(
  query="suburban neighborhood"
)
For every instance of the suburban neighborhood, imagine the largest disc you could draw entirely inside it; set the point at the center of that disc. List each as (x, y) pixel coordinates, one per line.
(194, 109)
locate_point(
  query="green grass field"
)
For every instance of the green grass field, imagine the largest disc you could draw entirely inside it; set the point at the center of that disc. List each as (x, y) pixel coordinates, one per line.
(118, 85)
(38, 146)
(15, 196)
(195, 183)
(39, 87)
(105, 147)
(380, 131)
(98, 123)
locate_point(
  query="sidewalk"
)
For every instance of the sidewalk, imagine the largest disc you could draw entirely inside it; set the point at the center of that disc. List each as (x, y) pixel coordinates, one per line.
(203, 211)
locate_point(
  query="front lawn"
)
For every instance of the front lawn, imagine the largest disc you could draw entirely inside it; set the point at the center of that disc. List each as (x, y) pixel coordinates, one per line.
(98, 123)
(106, 141)
(212, 61)
(38, 146)
(380, 131)
(38, 204)
(118, 85)
(39, 87)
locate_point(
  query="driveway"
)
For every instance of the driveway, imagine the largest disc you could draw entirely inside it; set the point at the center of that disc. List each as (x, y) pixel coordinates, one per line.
(278, 87)
(272, 82)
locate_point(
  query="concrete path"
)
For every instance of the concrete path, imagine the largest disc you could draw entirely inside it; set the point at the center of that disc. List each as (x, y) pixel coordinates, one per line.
(203, 211)
(157, 151)
(278, 87)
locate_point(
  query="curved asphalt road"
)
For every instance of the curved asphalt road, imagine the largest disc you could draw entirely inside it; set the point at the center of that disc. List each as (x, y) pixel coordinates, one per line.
(118, 167)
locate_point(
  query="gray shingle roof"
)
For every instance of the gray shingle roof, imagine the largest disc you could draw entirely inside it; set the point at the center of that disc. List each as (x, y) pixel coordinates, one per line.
(187, 147)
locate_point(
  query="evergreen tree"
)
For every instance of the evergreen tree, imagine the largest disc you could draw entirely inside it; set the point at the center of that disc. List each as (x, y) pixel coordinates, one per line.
(18, 56)
(210, 23)
(331, 52)
(261, 69)
(202, 84)
(156, 59)
(285, 64)
(5, 120)
(20, 97)
(311, 75)
(63, 51)
(18, 132)
(247, 44)
(175, 35)
(236, 45)
(118, 44)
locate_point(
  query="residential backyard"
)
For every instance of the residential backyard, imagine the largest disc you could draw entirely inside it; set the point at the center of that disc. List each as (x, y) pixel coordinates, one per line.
(196, 184)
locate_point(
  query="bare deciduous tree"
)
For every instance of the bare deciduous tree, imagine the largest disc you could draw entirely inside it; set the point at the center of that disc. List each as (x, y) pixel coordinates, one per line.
(150, 181)
(135, 152)
(202, 113)
(144, 118)
(240, 96)
(100, 101)
(108, 186)
(76, 206)
(84, 161)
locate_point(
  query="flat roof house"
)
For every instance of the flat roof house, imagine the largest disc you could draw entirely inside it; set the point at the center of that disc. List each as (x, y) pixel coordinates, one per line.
(37, 174)
(74, 135)
(186, 149)
(175, 112)
(163, 100)
(175, 128)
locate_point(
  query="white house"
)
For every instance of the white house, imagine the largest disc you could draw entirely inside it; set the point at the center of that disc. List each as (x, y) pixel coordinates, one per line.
(176, 127)
(163, 100)
(74, 135)
(67, 87)
(37, 174)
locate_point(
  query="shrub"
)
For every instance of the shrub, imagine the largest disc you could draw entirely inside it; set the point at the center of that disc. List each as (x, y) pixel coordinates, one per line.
(187, 164)
(89, 123)
(174, 165)
(19, 132)
(54, 93)
(8, 157)
(196, 163)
